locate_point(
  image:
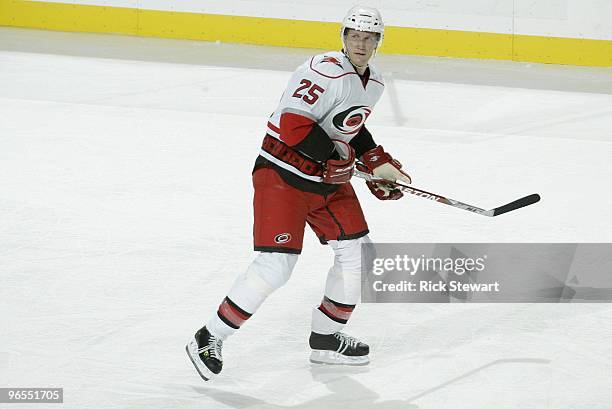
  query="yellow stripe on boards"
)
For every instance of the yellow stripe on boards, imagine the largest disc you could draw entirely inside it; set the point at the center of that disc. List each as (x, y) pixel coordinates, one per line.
(239, 29)
(447, 43)
(68, 17)
(572, 51)
(297, 33)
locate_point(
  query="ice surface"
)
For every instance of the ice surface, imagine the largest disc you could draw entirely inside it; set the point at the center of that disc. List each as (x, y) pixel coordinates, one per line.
(125, 214)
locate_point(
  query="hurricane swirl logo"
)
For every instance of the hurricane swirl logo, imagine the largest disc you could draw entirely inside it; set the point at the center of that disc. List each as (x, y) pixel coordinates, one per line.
(282, 238)
(350, 121)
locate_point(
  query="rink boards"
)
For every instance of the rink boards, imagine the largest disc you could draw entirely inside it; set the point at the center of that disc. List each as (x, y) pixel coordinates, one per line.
(573, 35)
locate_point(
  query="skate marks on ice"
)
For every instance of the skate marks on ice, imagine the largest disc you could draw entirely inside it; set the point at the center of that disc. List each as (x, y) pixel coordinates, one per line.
(396, 107)
(536, 361)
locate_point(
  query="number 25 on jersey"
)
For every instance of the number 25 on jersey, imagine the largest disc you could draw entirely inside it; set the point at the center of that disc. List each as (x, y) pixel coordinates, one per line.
(310, 97)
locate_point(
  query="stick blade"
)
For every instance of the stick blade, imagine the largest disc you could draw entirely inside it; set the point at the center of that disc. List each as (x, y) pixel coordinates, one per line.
(517, 204)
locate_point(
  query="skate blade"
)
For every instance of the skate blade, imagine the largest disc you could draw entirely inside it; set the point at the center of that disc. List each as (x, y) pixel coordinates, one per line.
(192, 352)
(334, 358)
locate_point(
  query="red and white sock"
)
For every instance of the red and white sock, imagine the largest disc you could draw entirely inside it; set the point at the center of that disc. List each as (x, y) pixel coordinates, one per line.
(330, 316)
(228, 320)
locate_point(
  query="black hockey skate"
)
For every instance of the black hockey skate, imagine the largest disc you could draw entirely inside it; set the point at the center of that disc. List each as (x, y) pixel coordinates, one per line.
(338, 349)
(204, 351)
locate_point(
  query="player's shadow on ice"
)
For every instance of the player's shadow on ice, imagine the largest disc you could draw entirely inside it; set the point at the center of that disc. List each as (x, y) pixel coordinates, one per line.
(346, 391)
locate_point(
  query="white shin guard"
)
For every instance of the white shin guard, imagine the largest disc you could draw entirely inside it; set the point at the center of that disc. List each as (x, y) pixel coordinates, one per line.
(266, 273)
(343, 282)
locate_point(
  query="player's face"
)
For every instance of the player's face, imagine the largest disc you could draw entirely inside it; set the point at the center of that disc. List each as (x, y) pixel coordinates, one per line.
(360, 46)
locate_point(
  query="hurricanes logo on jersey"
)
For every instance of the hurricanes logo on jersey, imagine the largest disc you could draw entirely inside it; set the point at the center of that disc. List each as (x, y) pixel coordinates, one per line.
(282, 238)
(349, 122)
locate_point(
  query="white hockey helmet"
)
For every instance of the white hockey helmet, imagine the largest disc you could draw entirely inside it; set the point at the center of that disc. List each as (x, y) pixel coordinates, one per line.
(363, 18)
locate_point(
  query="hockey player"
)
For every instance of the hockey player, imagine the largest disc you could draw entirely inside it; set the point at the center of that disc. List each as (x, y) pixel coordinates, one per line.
(302, 176)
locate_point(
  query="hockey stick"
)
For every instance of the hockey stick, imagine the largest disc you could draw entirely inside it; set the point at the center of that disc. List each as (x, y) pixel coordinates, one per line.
(517, 204)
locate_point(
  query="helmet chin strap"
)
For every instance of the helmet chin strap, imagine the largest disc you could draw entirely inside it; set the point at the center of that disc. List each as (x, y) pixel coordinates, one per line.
(349, 57)
(356, 65)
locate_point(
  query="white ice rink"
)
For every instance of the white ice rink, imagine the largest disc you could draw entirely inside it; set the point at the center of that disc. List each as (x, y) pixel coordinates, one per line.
(125, 214)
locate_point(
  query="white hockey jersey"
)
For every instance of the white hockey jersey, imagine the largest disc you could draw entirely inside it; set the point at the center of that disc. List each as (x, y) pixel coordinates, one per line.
(325, 91)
